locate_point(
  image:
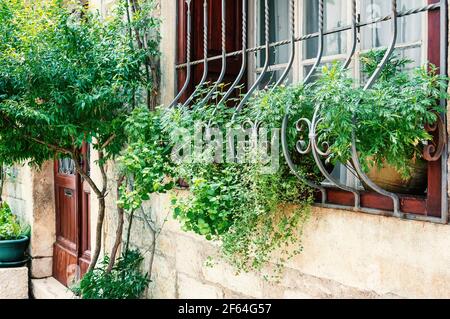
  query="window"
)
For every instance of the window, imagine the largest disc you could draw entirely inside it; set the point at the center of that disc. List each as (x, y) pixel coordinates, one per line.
(411, 40)
(418, 39)
(279, 30)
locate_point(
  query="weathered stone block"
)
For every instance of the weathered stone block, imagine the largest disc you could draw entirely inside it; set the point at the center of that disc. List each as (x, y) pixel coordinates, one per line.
(41, 267)
(163, 285)
(42, 208)
(245, 283)
(296, 294)
(50, 288)
(189, 288)
(166, 244)
(190, 255)
(14, 283)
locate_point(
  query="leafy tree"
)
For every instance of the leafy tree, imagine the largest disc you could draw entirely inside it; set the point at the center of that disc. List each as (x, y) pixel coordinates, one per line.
(69, 77)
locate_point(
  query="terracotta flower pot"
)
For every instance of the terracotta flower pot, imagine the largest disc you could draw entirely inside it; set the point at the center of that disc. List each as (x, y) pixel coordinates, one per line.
(389, 179)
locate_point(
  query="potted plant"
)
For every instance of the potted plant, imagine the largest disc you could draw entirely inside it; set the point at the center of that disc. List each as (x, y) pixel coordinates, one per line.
(390, 119)
(14, 238)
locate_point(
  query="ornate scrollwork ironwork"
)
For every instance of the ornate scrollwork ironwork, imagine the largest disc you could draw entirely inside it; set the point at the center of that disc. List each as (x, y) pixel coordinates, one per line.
(303, 146)
(433, 152)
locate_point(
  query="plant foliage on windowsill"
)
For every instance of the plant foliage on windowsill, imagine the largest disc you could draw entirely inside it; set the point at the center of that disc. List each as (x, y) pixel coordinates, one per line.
(258, 217)
(390, 118)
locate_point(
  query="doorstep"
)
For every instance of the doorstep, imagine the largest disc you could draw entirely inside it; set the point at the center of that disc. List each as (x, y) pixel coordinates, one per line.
(50, 288)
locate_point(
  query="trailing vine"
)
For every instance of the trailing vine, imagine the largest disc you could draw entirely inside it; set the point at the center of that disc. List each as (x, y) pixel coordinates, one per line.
(257, 215)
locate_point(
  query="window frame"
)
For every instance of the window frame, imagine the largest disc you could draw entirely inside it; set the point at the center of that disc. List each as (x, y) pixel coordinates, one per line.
(428, 206)
(299, 62)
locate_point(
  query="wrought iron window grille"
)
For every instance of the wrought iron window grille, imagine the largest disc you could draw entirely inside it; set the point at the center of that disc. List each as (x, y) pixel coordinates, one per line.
(431, 152)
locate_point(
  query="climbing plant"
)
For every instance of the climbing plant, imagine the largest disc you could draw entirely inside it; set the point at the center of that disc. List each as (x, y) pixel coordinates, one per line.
(67, 77)
(252, 212)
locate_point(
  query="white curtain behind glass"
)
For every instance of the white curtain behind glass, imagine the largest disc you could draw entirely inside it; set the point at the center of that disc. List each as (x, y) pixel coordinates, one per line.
(279, 31)
(379, 35)
(335, 15)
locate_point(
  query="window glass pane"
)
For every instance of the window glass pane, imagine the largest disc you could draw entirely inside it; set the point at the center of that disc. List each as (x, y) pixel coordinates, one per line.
(377, 35)
(412, 53)
(271, 78)
(278, 30)
(307, 68)
(335, 15)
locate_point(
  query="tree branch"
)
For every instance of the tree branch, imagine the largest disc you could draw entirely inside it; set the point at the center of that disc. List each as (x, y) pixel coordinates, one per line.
(86, 177)
(108, 141)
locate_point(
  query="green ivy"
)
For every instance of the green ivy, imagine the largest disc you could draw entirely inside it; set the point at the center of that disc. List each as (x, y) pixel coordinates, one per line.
(146, 159)
(258, 217)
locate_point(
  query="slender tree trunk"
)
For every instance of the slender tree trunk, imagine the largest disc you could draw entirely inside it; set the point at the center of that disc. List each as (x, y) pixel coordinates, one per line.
(152, 253)
(98, 233)
(119, 230)
(101, 194)
(101, 213)
(130, 223)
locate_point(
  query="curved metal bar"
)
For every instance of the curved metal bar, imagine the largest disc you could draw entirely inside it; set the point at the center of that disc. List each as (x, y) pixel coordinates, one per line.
(244, 54)
(354, 37)
(389, 51)
(205, 53)
(433, 152)
(317, 153)
(320, 48)
(266, 62)
(369, 84)
(285, 124)
(188, 55)
(224, 56)
(291, 46)
(429, 7)
(284, 144)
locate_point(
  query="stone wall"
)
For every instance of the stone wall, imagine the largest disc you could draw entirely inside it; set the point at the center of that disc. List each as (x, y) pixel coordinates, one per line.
(17, 191)
(346, 254)
(30, 193)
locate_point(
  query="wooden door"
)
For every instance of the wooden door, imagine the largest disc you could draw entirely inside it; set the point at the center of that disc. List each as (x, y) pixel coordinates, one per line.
(71, 254)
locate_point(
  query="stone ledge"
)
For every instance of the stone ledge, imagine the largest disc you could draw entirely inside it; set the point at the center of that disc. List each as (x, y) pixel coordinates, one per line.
(50, 288)
(14, 283)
